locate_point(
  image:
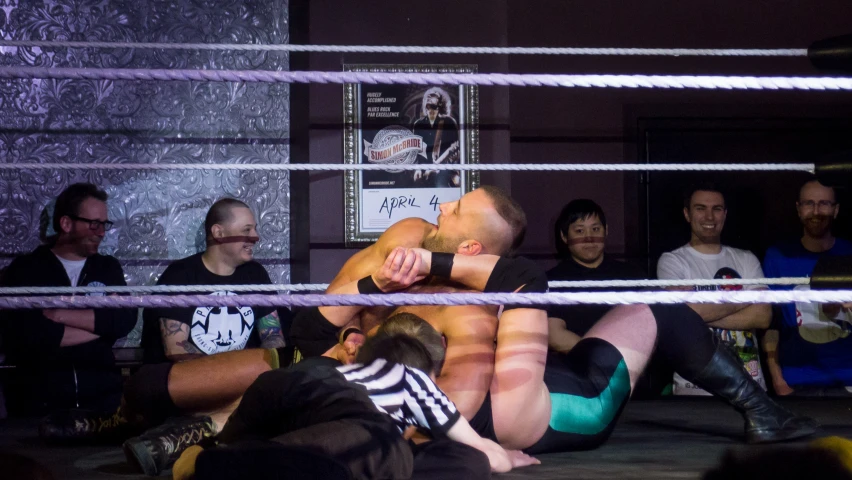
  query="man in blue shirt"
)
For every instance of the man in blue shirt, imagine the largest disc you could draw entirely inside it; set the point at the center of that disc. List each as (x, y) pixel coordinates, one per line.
(809, 347)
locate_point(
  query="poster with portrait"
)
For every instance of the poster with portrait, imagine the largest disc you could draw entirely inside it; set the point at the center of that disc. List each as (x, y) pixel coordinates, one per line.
(406, 125)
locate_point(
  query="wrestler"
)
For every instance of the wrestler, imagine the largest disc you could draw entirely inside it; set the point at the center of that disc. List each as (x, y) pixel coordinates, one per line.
(504, 393)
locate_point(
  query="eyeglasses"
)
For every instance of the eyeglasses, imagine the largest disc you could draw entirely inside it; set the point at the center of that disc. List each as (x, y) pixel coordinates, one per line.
(820, 205)
(93, 224)
(431, 106)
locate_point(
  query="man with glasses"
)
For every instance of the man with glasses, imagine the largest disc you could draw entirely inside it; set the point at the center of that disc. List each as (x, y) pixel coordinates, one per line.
(64, 357)
(809, 347)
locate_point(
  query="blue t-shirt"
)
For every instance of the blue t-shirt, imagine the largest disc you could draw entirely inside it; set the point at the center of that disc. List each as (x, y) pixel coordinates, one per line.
(814, 349)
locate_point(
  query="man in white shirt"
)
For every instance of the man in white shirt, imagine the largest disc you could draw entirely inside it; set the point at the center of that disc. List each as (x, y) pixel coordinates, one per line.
(704, 257)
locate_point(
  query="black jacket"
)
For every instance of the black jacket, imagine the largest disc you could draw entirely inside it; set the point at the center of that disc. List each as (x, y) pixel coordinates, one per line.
(31, 339)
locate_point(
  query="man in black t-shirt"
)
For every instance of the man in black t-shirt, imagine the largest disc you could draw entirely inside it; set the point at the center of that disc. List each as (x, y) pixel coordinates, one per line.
(178, 334)
(580, 235)
(167, 385)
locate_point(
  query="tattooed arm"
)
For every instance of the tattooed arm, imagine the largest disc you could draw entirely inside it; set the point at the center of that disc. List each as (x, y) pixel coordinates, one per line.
(176, 341)
(269, 331)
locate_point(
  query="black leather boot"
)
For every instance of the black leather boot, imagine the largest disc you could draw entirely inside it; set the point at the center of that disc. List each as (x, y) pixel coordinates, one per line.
(86, 426)
(158, 448)
(765, 420)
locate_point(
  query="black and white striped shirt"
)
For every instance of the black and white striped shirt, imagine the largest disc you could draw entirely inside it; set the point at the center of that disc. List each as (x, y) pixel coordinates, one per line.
(408, 395)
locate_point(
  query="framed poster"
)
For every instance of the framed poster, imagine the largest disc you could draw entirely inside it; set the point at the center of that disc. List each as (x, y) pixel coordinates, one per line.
(406, 124)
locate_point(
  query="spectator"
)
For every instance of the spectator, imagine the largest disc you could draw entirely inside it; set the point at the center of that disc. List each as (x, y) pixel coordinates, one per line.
(809, 347)
(178, 334)
(580, 236)
(162, 389)
(64, 357)
(704, 257)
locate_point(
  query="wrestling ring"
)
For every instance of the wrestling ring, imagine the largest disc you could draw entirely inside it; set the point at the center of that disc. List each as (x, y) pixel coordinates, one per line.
(656, 439)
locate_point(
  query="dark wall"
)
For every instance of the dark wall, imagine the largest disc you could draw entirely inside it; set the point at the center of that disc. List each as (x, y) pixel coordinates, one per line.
(761, 206)
(553, 125)
(476, 22)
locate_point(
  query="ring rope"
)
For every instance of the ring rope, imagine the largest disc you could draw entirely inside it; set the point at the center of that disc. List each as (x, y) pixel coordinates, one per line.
(404, 78)
(397, 299)
(669, 52)
(513, 167)
(313, 287)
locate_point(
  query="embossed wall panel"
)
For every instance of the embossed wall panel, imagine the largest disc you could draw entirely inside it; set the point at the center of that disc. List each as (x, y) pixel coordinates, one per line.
(158, 214)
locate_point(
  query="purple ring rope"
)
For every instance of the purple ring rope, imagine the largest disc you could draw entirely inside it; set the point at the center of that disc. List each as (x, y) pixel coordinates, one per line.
(485, 79)
(532, 299)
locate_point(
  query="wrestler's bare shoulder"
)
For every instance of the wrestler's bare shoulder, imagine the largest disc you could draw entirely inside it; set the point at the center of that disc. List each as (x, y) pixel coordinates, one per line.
(408, 232)
(434, 287)
(448, 318)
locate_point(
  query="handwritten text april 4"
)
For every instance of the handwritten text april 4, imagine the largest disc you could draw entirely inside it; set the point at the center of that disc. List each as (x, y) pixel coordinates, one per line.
(404, 201)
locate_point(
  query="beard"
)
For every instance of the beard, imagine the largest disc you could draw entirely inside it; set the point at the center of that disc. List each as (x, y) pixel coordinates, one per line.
(817, 229)
(441, 244)
(85, 245)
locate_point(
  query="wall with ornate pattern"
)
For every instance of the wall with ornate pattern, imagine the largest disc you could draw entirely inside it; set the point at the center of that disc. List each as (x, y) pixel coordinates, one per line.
(158, 215)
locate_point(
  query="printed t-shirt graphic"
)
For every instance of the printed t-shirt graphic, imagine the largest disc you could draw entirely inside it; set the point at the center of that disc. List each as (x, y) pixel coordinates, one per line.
(221, 329)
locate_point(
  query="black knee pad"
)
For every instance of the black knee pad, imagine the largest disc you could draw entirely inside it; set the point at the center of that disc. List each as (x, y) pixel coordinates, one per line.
(312, 333)
(146, 393)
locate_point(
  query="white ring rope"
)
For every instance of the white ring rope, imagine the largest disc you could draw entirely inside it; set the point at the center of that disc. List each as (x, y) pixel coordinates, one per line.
(315, 287)
(667, 52)
(397, 299)
(513, 167)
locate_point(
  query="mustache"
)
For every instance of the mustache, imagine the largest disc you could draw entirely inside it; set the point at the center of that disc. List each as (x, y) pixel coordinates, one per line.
(577, 241)
(236, 239)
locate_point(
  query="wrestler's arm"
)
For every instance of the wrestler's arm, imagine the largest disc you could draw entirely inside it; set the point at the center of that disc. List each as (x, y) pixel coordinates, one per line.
(469, 360)
(396, 272)
(472, 271)
(176, 342)
(501, 460)
(435, 406)
(409, 232)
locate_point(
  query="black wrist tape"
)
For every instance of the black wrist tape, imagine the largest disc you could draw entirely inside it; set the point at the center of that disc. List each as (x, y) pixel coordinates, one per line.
(366, 285)
(442, 265)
